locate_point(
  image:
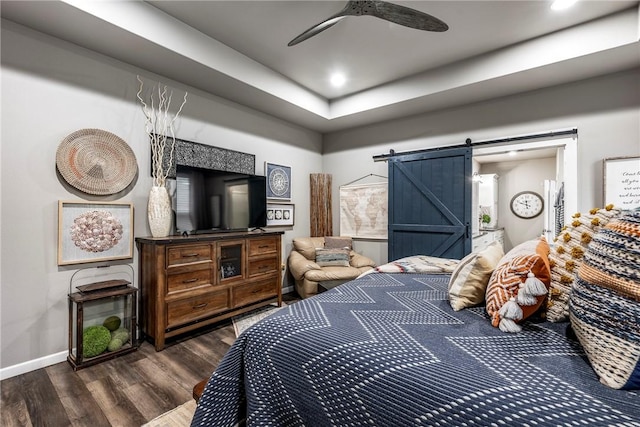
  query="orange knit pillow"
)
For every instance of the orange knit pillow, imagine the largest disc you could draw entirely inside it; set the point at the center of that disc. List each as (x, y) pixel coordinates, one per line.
(519, 284)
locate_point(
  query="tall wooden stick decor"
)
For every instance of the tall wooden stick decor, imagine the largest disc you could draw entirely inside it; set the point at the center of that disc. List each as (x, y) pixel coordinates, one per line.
(320, 208)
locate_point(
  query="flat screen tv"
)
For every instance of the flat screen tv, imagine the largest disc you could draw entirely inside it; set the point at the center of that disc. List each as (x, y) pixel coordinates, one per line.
(211, 200)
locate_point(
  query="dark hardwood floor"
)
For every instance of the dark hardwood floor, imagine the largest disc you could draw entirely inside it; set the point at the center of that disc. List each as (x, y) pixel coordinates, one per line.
(129, 390)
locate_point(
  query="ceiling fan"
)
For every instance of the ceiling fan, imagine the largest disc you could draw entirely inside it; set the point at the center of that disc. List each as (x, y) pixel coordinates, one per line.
(380, 9)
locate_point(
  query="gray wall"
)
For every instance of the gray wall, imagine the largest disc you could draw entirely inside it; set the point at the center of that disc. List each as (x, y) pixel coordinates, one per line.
(50, 89)
(605, 110)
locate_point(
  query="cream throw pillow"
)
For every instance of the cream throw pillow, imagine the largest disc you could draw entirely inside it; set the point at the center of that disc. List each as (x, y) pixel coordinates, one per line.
(469, 280)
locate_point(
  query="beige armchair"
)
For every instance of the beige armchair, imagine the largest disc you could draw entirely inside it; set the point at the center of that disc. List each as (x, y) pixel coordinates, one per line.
(308, 273)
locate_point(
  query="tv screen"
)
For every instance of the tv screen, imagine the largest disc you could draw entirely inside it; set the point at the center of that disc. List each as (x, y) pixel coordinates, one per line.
(211, 200)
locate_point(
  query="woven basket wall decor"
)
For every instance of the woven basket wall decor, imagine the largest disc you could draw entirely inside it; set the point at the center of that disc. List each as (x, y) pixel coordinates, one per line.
(96, 162)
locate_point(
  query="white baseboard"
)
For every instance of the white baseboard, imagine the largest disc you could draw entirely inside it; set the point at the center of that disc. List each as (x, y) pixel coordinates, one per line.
(32, 365)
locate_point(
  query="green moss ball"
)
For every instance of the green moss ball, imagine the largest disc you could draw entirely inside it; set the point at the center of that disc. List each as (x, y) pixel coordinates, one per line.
(121, 333)
(112, 323)
(95, 340)
(114, 344)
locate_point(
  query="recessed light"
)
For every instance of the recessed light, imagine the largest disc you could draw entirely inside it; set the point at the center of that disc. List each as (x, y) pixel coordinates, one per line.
(338, 79)
(513, 153)
(562, 4)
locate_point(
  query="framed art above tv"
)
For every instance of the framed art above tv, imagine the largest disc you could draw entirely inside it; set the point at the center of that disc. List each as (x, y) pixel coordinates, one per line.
(278, 181)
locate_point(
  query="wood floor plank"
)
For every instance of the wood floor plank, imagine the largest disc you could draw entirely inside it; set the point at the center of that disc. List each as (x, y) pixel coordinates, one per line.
(182, 364)
(14, 408)
(41, 398)
(158, 394)
(213, 346)
(167, 389)
(115, 404)
(78, 402)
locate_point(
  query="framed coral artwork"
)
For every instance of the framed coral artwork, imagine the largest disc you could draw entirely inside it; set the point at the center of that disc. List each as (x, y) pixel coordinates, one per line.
(94, 232)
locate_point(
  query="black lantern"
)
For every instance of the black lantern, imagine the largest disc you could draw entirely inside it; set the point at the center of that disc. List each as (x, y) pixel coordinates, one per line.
(102, 322)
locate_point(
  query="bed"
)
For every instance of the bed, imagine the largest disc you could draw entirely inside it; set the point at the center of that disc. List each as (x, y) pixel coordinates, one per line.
(387, 349)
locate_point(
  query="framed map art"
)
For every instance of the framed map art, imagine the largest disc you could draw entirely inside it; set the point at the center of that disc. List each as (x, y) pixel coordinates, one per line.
(278, 181)
(363, 210)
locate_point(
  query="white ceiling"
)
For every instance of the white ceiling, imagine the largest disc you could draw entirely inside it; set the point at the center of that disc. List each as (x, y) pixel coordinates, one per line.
(238, 50)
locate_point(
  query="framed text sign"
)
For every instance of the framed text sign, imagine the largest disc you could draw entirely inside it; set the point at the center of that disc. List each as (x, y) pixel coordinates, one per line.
(622, 182)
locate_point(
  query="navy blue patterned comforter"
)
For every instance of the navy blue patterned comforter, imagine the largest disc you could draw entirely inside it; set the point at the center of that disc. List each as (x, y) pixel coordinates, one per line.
(388, 350)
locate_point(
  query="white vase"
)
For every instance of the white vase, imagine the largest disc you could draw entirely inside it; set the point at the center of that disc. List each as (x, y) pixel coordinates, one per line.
(159, 211)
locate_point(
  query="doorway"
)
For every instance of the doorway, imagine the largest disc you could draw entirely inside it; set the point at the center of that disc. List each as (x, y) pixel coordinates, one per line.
(526, 166)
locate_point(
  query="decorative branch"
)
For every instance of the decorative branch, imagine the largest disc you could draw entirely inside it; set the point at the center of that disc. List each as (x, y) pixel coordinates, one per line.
(159, 126)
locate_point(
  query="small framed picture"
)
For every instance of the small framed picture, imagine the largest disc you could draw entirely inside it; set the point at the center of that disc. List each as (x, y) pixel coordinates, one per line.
(278, 181)
(280, 214)
(622, 182)
(94, 232)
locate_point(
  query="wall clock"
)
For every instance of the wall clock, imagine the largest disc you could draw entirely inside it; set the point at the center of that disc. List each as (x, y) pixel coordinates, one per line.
(527, 204)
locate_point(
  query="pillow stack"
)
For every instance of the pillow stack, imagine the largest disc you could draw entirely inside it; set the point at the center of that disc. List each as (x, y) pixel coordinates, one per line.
(604, 305)
(335, 253)
(469, 280)
(566, 257)
(519, 284)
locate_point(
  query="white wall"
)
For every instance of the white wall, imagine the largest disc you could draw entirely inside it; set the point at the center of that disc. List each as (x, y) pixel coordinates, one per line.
(51, 89)
(605, 110)
(514, 177)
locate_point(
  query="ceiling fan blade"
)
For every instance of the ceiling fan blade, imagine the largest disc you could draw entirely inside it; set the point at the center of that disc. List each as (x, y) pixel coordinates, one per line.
(328, 23)
(380, 9)
(407, 17)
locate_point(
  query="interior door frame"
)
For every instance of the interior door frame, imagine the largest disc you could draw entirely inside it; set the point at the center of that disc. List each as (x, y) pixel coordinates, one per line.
(567, 162)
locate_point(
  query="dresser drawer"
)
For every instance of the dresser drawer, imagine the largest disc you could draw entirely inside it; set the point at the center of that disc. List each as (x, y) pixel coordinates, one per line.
(190, 309)
(178, 255)
(261, 246)
(188, 280)
(255, 291)
(263, 265)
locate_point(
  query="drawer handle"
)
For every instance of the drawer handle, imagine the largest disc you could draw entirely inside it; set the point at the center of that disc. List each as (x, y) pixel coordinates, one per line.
(189, 280)
(189, 255)
(263, 267)
(263, 246)
(199, 306)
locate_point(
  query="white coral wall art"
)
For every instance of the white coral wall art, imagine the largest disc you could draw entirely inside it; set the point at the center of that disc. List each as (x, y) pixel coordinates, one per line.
(94, 232)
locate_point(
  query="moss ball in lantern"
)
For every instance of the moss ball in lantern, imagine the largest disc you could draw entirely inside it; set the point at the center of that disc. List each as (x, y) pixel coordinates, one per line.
(95, 340)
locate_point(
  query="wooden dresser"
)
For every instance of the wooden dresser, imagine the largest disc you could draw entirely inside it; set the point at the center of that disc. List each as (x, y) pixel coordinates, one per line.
(193, 281)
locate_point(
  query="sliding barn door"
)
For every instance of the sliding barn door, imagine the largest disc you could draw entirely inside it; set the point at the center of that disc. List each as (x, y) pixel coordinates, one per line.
(430, 203)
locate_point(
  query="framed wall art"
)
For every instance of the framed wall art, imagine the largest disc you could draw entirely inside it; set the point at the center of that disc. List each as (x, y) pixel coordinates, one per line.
(280, 214)
(622, 182)
(94, 232)
(364, 210)
(278, 181)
